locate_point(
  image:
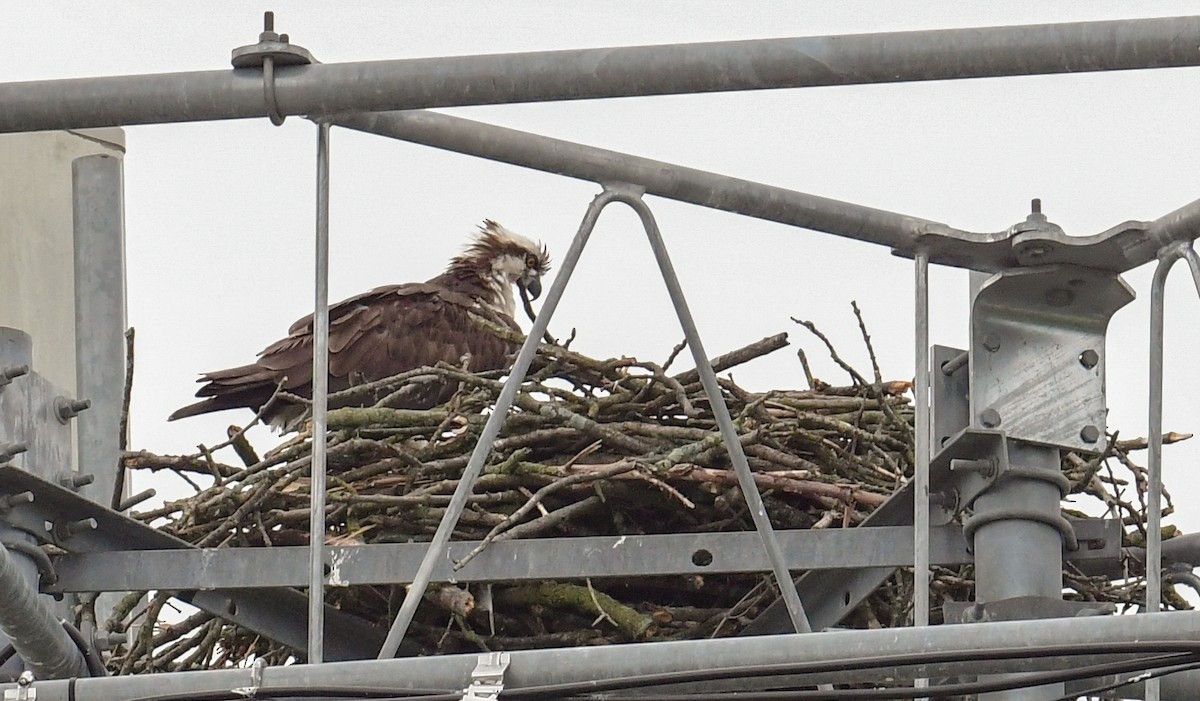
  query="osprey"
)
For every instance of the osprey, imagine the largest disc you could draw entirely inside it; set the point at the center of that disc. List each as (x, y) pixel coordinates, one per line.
(393, 329)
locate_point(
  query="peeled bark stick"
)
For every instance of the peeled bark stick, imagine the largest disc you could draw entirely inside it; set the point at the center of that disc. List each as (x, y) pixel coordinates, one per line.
(451, 598)
(722, 363)
(579, 598)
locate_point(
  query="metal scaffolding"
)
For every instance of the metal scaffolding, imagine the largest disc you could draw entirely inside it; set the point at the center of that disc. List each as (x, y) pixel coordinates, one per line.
(982, 434)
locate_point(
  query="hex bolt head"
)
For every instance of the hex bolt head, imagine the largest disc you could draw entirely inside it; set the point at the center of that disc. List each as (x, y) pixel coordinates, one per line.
(1089, 434)
(992, 342)
(67, 409)
(990, 418)
(1089, 358)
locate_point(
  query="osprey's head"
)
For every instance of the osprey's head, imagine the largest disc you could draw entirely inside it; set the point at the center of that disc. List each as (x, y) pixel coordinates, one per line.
(504, 258)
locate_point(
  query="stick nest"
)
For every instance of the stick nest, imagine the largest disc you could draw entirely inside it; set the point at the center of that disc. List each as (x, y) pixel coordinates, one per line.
(591, 447)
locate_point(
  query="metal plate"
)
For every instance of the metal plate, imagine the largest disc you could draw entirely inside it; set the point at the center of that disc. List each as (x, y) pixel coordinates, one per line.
(1037, 354)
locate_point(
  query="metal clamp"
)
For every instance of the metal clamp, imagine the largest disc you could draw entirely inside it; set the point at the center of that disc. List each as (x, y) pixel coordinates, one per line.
(271, 50)
(24, 690)
(487, 680)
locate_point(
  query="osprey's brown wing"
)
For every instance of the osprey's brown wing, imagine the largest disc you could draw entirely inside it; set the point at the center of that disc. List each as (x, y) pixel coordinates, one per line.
(381, 333)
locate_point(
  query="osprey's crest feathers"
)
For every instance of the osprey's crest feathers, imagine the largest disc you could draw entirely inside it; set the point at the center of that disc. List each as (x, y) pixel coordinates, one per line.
(391, 330)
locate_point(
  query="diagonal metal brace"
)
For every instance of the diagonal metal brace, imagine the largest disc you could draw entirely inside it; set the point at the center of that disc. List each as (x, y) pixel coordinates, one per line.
(632, 196)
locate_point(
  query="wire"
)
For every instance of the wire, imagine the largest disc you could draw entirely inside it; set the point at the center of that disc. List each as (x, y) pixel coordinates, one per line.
(94, 666)
(1161, 672)
(842, 665)
(953, 689)
(335, 692)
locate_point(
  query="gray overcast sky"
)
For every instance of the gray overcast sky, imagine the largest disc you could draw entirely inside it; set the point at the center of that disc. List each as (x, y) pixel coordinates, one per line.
(220, 215)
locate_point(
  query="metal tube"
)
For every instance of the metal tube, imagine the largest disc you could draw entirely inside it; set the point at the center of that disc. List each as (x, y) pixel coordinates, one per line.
(539, 667)
(921, 446)
(758, 512)
(491, 429)
(99, 238)
(898, 231)
(1158, 288)
(34, 632)
(607, 72)
(1194, 265)
(316, 527)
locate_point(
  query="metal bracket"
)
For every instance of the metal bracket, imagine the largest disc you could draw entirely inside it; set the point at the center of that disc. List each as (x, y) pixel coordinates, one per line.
(968, 464)
(1022, 608)
(1037, 354)
(487, 680)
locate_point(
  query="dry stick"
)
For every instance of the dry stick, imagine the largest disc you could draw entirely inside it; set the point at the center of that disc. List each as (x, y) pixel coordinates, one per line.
(745, 354)
(123, 424)
(854, 376)
(674, 354)
(536, 499)
(253, 422)
(877, 386)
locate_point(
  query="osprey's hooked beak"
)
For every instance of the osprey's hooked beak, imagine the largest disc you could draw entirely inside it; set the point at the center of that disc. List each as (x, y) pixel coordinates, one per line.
(531, 283)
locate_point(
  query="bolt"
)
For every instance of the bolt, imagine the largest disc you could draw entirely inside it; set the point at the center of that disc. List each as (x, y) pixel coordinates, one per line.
(84, 524)
(1036, 205)
(68, 409)
(75, 480)
(1089, 434)
(268, 21)
(283, 38)
(12, 372)
(17, 499)
(1089, 358)
(992, 342)
(984, 467)
(990, 418)
(9, 450)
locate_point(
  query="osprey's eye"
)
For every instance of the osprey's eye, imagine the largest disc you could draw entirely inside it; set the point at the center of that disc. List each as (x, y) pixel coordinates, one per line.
(531, 261)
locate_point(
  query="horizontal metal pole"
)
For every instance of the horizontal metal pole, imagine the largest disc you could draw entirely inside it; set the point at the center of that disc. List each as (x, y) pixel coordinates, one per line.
(544, 558)
(607, 72)
(529, 668)
(898, 231)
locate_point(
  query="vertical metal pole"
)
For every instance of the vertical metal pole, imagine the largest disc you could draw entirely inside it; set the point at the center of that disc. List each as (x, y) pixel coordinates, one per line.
(99, 318)
(316, 529)
(483, 446)
(921, 448)
(1158, 289)
(758, 512)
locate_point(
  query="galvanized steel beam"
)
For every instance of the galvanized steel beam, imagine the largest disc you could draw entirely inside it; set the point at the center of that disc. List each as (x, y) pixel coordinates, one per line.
(543, 558)
(606, 72)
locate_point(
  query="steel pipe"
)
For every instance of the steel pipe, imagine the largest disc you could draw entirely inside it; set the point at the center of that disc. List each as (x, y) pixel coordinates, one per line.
(34, 632)
(606, 72)
(539, 667)
(746, 197)
(320, 408)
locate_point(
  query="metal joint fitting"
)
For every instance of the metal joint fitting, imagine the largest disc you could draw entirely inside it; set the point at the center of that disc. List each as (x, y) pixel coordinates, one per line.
(487, 679)
(271, 50)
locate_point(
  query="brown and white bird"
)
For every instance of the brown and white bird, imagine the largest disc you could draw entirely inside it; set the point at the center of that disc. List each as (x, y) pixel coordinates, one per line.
(391, 330)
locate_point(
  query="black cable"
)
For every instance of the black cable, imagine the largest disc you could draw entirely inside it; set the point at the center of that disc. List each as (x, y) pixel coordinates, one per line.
(842, 665)
(1161, 672)
(95, 667)
(6, 653)
(954, 689)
